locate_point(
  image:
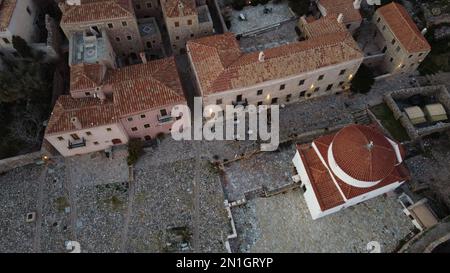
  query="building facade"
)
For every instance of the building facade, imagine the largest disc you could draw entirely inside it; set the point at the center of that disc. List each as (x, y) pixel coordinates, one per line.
(185, 20)
(402, 43)
(343, 169)
(17, 18)
(321, 65)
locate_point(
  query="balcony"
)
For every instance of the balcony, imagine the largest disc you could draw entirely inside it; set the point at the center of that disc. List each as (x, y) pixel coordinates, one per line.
(164, 119)
(242, 102)
(77, 143)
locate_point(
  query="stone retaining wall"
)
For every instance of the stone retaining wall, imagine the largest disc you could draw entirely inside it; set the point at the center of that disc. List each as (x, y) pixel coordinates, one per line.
(442, 96)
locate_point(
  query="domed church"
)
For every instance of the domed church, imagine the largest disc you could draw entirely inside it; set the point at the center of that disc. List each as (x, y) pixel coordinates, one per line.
(343, 169)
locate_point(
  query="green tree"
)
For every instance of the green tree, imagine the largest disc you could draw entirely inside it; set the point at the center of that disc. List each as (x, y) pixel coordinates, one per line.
(363, 80)
(22, 47)
(300, 7)
(22, 81)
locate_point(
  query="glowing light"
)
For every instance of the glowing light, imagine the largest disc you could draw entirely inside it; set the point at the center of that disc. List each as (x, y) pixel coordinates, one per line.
(350, 76)
(268, 97)
(312, 86)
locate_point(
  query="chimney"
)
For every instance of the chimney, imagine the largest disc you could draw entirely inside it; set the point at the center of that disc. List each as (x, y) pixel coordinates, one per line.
(424, 31)
(143, 57)
(261, 56)
(76, 123)
(340, 18)
(100, 94)
(357, 4)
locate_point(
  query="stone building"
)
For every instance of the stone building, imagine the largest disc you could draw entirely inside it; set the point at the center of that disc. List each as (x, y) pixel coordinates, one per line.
(116, 17)
(402, 43)
(343, 169)
(186, 20)
(17, 18)
(107, 107)
(147, 8)
(323, 64)
(349, 9)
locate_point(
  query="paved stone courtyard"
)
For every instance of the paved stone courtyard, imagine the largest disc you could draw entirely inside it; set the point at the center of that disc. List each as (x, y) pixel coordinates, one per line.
(256, 18)
(282, 223)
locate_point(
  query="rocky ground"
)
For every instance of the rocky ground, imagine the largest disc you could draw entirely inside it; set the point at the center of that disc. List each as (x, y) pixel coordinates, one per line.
(282, 223)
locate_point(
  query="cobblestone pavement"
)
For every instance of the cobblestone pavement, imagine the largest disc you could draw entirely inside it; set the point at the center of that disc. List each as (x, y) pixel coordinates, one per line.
(430, 173)
(17, 198)
(257, 19)
(268, 170)
(164, 202)
(94, 169)
(282, 223)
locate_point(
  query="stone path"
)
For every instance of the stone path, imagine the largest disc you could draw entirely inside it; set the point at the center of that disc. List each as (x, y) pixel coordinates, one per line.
(39, 215)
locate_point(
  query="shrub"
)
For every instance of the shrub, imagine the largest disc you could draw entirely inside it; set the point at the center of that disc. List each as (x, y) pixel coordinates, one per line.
(363, 80)
(135, 151)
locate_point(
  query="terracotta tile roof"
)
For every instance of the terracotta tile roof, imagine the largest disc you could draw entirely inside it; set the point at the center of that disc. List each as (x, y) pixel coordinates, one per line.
(323, 26)
(327, 193)
(325, 189)
(221, 66)
(89, 111)
(363, 153)
(136, 88)
(86, 76)
(6, 11)
(403, 27)
(97, 10)
(179, 8)
(342, 6)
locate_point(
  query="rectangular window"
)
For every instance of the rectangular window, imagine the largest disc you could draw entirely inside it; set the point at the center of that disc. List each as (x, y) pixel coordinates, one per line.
(341, 83)
(75, 136)
(317, 89)
(163, 112)
(96, 143)
(302, 93)
(117, 39)
(410, 56)
(329, 87)
(88, 133)
(110, 25)
(379, 19)
(391, 60)
(259, 103)
(124, 24)
(288, 97)
(130, 119)
(177, 24)
(219, 101)
(87, 94)
(142, 116)
(282, 86)
(129, 38)
(134, 129)
(259, 92)
(301, 82)
(320, 77)
(146, 125)
(108, 129)
(342, 72)
(189, 22)
(28, 10)
(60, 138)
(6, 41)
(393, 41)
(274, 100)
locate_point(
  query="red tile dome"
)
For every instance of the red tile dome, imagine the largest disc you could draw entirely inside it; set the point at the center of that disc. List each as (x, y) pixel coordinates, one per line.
(363, 153)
